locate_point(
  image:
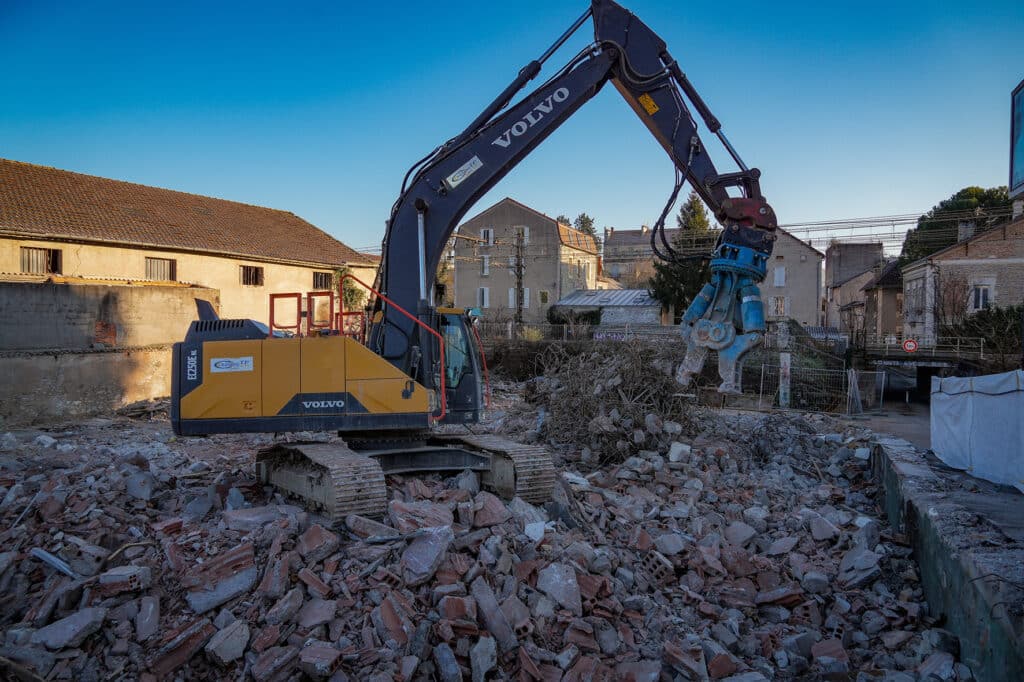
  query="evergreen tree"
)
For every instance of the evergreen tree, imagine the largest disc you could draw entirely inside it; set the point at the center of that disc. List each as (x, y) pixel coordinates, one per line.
(937, 229)
(585, 224)
(675, 284)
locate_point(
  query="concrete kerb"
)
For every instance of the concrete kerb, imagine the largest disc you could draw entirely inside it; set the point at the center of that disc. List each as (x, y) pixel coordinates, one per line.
(972, 582)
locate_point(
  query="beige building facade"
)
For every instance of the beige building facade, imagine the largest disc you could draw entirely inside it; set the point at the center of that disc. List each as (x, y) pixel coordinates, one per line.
(69, 226)
(555, 259)
(883, 303)
(792, 285)
(976, 273)
(245, 283)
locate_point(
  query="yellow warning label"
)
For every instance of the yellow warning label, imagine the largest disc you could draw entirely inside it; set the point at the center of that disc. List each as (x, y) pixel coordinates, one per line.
(647, 103)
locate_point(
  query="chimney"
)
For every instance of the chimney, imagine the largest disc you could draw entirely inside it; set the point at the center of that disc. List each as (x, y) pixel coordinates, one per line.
(608, 232)
(644, 229)
(964, 230)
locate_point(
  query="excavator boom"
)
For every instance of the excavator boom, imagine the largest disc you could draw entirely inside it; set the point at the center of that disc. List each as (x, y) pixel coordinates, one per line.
(438, 191)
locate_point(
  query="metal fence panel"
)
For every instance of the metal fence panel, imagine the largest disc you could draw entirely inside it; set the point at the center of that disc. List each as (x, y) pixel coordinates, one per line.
(820, 390)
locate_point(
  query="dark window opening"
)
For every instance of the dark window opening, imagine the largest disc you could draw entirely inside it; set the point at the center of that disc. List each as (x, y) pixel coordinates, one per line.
(162, 269)
(37, 261)
(322, 280)
(252, 276)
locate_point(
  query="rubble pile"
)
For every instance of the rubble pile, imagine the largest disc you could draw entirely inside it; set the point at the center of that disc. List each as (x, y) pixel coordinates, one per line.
(750, 552)
(612, 399)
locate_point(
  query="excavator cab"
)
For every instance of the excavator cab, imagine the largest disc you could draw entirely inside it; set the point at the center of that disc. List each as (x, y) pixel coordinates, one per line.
(465, 367)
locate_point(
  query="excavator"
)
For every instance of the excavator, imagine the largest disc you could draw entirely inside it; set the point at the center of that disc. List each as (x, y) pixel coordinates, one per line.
(422, 366)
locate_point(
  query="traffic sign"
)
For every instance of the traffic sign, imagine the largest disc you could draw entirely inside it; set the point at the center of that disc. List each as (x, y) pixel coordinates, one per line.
(910, 345)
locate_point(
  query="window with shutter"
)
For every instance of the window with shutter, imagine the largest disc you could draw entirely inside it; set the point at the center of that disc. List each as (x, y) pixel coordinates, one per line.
(161, 269)
(322, 280)
(40, 261)
(251, 275)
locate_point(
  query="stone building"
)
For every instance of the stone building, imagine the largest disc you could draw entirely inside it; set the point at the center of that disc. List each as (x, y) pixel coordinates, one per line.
(59, 224)
(847, 303)
(883, 302)
(556, 260)
(792, 289)
(628, 257)
(848, 268)
(984, 270)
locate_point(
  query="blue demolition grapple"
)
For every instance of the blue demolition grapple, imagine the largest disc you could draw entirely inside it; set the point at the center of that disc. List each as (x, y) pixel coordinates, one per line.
(728, 314)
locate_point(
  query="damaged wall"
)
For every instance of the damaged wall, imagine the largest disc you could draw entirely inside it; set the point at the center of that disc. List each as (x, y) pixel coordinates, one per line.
(82, 316)
(75, 385)
(76, 350)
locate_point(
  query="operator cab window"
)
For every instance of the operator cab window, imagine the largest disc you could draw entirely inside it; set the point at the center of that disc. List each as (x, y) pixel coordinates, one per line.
(456, 349)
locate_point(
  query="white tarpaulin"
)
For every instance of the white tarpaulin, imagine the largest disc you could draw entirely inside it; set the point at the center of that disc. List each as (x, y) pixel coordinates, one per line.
(978, 425)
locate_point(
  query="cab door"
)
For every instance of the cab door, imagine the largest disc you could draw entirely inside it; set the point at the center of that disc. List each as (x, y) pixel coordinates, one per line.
(463, 370)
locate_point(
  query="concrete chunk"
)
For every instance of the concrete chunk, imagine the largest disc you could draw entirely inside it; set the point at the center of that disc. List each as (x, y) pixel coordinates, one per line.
(229, 644)
(285, 608)
(424, 555)
(70, 631)
(483, 658)
(558, 581)
(226, 576)
(254, 518)
(147, 621)
(448, 669)
(739, 533)
(492, 615)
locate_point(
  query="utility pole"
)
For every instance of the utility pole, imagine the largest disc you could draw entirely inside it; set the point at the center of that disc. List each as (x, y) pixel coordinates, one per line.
(519, 267)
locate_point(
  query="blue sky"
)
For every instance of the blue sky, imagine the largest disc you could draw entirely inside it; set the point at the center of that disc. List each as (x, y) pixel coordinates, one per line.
(318, 108)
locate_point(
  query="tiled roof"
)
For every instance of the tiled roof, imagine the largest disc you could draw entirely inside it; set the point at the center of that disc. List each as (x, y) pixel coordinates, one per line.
(48, 203)
(576, 239)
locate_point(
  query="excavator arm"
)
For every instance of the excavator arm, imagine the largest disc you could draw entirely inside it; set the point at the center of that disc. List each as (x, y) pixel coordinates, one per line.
(727, 316)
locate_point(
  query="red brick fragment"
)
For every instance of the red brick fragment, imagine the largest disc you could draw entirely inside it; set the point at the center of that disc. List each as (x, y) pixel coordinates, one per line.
(168, 526)
(274, 663)
(180, 645)
(314, 583)
(267, 637)
(721, 666)
(829, 648)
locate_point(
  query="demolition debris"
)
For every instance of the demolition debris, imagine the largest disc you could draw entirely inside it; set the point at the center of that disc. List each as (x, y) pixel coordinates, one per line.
(734, 547)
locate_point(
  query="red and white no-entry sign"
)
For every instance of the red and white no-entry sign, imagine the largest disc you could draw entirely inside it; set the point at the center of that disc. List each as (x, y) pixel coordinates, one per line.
(910, 345)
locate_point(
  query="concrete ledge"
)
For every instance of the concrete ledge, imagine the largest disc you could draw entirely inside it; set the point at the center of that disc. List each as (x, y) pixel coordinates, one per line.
(971, 571)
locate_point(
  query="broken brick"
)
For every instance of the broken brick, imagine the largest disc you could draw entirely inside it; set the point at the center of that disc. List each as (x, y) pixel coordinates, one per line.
(180, 645)
(228, 575)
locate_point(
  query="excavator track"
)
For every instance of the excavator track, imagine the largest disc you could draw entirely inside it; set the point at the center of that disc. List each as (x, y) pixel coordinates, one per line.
(328, 477)
(517, 470)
